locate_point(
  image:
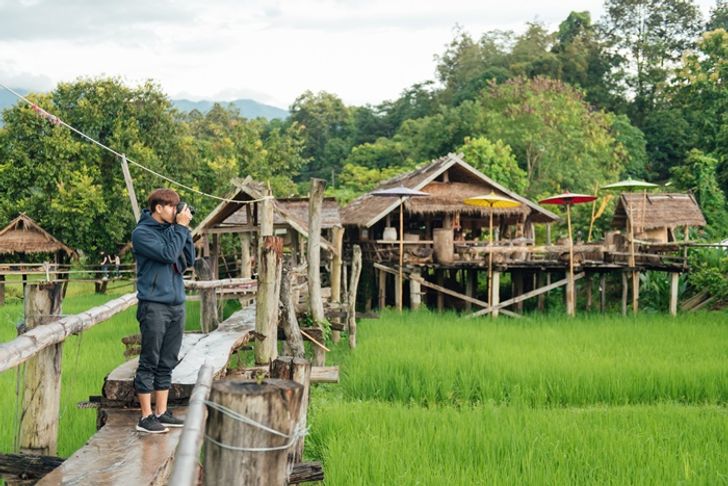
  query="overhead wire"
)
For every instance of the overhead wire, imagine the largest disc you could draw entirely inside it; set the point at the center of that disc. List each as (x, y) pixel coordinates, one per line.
(56, 120)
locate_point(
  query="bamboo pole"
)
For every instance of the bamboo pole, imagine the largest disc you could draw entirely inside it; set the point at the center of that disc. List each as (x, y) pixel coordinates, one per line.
(41, 396)
(187, 454)
(401, 253)
(28, 344)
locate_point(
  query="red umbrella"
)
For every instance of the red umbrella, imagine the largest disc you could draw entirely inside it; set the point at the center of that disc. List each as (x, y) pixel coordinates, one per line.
(568, 199)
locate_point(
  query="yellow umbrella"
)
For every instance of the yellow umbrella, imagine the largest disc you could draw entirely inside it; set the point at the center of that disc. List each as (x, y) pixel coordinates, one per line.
(491, 201)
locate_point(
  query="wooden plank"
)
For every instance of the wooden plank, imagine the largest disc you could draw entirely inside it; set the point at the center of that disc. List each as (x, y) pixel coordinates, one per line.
(214, 348)
(319, 374)
(118, 454)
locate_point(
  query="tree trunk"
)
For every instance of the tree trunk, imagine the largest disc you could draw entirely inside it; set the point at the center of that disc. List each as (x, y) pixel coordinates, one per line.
(315, 202)
(228, 456)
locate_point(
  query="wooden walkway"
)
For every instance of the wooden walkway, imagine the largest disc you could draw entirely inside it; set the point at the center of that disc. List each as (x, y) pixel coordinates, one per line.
(117, 453)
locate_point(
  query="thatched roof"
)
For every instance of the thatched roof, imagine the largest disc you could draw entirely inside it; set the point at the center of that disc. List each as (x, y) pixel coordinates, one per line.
(661, 210)
(23, 235)
(291, 212)
(445, 197)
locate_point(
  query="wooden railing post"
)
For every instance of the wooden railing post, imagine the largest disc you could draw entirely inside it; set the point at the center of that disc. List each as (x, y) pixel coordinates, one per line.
(42, 381)
(241, 453)
(298, 370)
(338, 242)
(209, 319)
(315, 202)
(351, 296)
(266, 301)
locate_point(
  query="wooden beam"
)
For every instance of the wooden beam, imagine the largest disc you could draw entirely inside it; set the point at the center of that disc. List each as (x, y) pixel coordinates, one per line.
(236, 283)
(442, 289)
(528, 295)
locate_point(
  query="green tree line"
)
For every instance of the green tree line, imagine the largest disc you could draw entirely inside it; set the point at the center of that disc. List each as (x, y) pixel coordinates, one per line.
(640, 92)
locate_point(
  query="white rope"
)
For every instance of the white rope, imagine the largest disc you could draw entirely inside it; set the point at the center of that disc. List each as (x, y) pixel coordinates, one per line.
(57, 121)
(292, 439)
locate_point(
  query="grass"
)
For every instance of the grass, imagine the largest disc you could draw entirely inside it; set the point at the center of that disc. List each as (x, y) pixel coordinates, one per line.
(435, 399)
(87, 359)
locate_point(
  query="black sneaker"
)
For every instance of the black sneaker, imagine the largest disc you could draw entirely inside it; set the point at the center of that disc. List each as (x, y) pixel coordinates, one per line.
(169, 420)
(151, 425)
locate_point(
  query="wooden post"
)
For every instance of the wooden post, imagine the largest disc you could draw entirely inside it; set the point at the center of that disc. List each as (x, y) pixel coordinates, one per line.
(625, 290)
(239, 453)
(602, 292)
(635, 292)
(209, 319)
(2, 289)
(541, 299)
(589, 290)
(298, 370)
(382, 289)
(130, 188)
(351, 295)
(215, 256)
(674, 285)
(246, 269)
(468, 277)
(440, 276)
(42, 381)
(415, 291)
(315, 202)
(398, 292)
(266, 308)
(495, 290)
(517, 278)
(288, 317)
(337, 238)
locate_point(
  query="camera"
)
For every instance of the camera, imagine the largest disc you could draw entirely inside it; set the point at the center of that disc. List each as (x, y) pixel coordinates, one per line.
(181, 205)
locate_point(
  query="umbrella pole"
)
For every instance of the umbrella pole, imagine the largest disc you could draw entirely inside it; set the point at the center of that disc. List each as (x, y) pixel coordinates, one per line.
(570, 291)
(490, 259)
(401, 253)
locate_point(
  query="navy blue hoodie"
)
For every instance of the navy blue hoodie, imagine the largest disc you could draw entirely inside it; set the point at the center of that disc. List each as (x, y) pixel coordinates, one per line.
(163, 252)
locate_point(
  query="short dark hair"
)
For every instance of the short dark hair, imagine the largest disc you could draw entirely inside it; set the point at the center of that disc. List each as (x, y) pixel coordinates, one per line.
(162, 196)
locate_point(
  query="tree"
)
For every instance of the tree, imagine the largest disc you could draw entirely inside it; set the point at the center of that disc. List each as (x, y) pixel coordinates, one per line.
(531, 55)
(649, 36)
(718, 16)
(559, 140)
(327, 127)
(496, 160)
(698, 175)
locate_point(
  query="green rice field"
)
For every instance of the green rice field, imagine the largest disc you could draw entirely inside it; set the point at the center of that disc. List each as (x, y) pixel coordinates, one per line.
(432, 399)
(436, 399)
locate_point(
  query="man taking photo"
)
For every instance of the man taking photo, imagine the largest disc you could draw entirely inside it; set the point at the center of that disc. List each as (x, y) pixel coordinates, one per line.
(163, 250)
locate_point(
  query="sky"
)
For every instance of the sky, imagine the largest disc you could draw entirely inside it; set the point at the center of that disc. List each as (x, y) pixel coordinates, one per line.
(270, 51)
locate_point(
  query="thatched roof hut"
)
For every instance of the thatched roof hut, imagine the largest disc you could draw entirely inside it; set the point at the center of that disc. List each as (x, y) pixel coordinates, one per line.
(23, 235)
(446, 195)
(290, 212)
(656, 214)
(662, 210)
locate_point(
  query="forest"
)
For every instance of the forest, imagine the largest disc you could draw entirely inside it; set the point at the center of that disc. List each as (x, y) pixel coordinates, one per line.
(640, 92)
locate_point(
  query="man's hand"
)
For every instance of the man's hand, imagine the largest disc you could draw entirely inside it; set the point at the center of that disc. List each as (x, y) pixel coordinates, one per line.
(184, 217)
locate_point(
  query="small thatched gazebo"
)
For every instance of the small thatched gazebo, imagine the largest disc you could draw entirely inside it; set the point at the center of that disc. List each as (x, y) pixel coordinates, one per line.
(25, 236)
(656, 215)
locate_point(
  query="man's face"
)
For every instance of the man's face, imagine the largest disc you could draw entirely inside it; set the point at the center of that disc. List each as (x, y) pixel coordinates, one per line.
(168, 212)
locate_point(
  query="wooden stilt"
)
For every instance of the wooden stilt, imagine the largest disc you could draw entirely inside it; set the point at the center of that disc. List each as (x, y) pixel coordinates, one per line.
(674, 286)
(602, 292)
(495, 293)
(541, 302)
(215, 256)
(351, 295)
(246, 270)
(469, 287)
(415, 292)
(517, 278)
(440, 276)
(338, 242)
(382, 289)
(625, 290)
(635, 292)
(589, 290)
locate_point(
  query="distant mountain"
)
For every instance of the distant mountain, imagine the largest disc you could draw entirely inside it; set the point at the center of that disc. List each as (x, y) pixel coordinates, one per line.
(248, 108)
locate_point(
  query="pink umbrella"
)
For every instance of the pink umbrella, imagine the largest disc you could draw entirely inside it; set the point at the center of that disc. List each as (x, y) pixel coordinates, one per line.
(568, 199)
